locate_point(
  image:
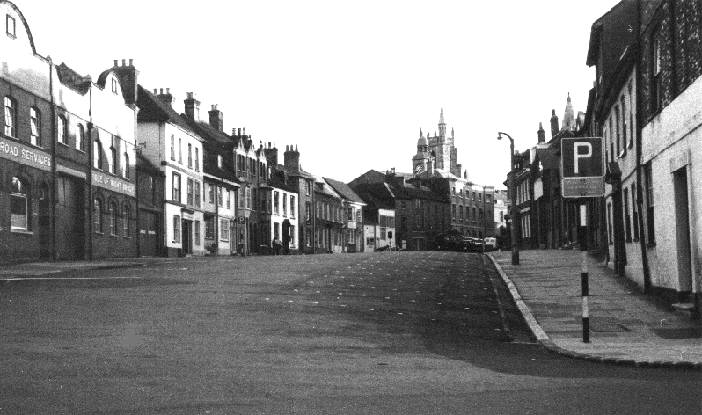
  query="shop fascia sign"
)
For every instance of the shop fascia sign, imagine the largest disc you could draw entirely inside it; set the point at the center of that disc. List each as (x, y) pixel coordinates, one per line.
(24, 154)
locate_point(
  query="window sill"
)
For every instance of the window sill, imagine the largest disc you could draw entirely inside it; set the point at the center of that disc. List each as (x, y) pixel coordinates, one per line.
(22, 232)
(99, 233)
(62, 143)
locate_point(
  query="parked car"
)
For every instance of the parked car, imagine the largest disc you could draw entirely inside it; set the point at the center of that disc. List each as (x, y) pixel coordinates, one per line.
(490, 244)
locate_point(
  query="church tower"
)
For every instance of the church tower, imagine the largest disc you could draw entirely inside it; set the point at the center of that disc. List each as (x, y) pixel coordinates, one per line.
(569, 116)
(421, 162)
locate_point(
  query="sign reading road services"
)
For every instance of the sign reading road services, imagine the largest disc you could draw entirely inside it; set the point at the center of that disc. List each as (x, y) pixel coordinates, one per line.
(24, 154)
(582, 167)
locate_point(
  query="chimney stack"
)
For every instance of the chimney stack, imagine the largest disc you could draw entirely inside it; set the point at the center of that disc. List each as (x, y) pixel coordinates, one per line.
(271, 156)
(216, 118)
(291, 158)
(554, 124)
(166, 97)
(128, 77)
(192, 107)
(541, 134)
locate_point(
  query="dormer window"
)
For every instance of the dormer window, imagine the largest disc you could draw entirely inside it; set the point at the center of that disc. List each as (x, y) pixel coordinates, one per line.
(10, 26)
(114, 86)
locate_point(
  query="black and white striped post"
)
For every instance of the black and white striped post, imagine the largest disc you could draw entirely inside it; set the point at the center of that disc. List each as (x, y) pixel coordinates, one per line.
(584, 277)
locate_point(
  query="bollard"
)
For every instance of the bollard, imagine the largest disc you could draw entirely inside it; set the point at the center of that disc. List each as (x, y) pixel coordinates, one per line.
(585, 292)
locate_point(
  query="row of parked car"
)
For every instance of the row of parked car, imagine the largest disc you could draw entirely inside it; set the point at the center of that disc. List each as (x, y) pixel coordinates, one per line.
(454, 241)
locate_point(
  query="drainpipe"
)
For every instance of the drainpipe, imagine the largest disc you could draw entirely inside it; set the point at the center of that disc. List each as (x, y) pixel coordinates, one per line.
(52, 226)
(639, 166)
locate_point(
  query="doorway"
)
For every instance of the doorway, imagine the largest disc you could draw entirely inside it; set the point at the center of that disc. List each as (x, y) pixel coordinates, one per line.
(187, 230)
(682, 231)
(44, 223)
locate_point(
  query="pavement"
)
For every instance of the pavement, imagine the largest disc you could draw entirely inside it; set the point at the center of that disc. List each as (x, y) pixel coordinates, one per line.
(627, 327)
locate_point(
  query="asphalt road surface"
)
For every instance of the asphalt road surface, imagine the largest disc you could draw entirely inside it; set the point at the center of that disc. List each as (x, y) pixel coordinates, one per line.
(385, 333)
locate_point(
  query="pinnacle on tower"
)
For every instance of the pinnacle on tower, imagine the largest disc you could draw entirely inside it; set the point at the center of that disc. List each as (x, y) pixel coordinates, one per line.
(441, 117)
(569, 116)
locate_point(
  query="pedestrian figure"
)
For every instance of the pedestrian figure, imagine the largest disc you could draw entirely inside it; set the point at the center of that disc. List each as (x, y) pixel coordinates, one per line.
(277, 245)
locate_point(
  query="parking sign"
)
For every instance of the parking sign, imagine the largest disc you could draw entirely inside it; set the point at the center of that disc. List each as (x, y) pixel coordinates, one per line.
(582, 167)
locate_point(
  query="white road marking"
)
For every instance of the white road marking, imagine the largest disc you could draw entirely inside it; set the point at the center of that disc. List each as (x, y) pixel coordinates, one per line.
(70, 278)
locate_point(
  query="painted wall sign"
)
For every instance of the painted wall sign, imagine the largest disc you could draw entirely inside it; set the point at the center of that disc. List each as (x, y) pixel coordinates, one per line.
(24, 154)
(113, 183)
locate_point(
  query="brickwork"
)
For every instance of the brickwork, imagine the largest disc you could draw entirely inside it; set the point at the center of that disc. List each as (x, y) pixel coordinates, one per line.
(676, 25)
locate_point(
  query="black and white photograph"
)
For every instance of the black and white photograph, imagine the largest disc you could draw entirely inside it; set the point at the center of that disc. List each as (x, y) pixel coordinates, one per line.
(367, 207)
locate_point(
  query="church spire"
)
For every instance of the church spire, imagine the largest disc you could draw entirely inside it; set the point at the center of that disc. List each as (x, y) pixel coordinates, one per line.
(442, 124)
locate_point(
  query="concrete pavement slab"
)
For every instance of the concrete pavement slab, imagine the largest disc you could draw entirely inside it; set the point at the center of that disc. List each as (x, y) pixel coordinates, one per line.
(627, 327)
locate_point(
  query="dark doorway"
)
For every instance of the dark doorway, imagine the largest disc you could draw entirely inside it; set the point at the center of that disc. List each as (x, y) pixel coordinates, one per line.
(682, 227)
(70, 218)
(44, 223)
(187, 232)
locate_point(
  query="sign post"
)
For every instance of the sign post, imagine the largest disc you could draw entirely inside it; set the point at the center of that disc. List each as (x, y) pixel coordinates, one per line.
(582, 177)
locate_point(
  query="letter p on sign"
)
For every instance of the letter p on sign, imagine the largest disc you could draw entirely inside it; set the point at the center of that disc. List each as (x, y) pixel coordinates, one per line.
(578, 155)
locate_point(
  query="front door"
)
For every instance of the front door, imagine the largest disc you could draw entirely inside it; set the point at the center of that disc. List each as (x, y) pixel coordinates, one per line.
(44, 223)
(682, 218)
(187, 237)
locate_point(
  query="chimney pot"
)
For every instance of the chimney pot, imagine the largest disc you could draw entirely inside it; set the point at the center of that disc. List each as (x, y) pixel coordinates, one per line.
(168, 90)
(161, 91)
(131, 62)
(115, 63)
(124, 62)
(155, 91)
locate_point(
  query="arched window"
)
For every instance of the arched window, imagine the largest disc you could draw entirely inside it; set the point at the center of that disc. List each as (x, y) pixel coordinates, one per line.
(112, 216)
(125, 220)
(62, 130)
(97, 153)
(80, 138)
(35, 126)
(20, 203)
(97, 215)
(10, 129)
(125, 166)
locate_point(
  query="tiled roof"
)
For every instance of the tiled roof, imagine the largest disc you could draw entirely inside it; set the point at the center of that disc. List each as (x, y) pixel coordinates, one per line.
(344, 190)
(73, 79)
(153, 109)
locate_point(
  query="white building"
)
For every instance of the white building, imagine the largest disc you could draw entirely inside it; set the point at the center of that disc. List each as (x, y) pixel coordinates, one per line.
(379, 230)
(282, 217)
(167, 141)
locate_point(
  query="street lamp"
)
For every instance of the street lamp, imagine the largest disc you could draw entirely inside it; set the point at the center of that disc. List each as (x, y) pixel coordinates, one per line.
(485, 213)
(513, 197)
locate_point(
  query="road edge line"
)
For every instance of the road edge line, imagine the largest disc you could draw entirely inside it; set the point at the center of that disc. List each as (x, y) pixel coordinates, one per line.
(531, 321)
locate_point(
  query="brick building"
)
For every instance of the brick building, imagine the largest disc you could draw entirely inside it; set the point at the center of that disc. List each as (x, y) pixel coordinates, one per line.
(329, 218)
(150, 197)
(352, 229)
(68, 150)
(421, 213)
(669, 114)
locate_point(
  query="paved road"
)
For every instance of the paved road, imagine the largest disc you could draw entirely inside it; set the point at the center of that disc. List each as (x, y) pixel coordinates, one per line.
(395, 333)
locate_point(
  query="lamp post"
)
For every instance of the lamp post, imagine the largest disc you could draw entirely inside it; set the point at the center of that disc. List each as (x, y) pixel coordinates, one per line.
(485, 213)
(513, 197)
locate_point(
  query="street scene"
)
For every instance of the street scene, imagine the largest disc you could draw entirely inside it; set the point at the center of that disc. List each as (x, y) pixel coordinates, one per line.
(410, 208)
(389, 332)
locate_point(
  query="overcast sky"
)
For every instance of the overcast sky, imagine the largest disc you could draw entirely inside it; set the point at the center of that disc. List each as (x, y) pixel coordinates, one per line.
(350, 83)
